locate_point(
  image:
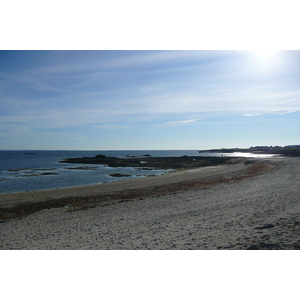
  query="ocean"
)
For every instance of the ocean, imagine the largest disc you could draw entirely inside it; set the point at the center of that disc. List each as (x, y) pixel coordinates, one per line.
(41, 170)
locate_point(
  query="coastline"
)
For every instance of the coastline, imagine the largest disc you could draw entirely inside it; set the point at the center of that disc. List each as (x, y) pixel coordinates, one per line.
(226, 207)
(11, 199)
(45, 170)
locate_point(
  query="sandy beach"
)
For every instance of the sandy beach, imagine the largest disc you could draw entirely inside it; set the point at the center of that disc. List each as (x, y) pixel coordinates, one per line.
(238, 206)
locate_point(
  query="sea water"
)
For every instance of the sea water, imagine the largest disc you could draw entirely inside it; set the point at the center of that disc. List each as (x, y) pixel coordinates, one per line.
(41, 170)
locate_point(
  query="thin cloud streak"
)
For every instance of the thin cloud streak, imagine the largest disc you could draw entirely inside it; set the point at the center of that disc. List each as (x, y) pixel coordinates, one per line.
(181, 122)
(252, 115)
(135, 59)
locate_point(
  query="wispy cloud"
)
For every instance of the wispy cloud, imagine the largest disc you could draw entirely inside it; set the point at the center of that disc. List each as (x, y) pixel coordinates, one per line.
(95, 61)
(99, 108)
(252, 115)
(181, 122)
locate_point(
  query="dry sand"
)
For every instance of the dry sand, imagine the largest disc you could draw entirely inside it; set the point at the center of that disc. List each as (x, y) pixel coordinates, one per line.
(232, 209)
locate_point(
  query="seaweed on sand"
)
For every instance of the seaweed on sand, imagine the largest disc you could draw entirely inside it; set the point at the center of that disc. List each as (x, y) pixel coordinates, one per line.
(23, 210)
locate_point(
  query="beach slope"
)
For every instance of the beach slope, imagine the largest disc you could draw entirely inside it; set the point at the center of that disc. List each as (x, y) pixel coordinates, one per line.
(240, 206)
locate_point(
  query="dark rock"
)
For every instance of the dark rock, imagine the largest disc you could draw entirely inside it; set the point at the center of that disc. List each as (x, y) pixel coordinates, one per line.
(82, 168)
(296, 223)
(100, 156)
(119, 175)
(265, 226)
(49, 173)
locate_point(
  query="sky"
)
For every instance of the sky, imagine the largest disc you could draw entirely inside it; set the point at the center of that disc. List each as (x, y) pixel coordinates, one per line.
(148, 100)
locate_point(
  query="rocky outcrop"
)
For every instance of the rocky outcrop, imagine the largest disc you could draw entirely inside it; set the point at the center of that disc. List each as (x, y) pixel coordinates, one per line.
(182, 162)
(119, 175)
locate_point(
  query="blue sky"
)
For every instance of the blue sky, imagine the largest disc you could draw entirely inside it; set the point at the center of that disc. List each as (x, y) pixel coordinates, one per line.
(123, 100)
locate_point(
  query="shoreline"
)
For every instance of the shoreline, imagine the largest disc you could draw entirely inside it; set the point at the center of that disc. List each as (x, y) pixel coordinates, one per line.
(252, 206)
(104, 187)
(18, 205)
(103, 165)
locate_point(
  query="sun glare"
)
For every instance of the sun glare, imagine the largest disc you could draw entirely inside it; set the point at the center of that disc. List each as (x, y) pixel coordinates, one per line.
(265, 53)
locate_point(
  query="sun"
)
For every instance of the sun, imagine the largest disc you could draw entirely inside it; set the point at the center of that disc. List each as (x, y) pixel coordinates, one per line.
(265, 53)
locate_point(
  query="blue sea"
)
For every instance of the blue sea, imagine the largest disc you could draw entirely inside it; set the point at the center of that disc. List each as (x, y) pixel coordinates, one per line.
(41, 170)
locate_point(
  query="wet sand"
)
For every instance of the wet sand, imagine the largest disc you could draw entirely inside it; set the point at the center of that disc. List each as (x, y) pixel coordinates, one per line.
(238, 206)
